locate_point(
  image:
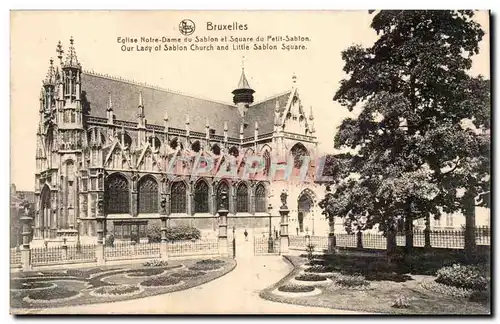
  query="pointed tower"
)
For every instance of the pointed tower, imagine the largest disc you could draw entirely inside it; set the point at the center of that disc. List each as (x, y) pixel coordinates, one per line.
(243, 95)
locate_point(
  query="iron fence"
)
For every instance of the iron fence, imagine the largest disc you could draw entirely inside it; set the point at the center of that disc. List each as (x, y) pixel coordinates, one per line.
(445, 239)
(47, 255)
(264, 246)
(85, 252)
(188, 248)
(130, 250)
(15, 257)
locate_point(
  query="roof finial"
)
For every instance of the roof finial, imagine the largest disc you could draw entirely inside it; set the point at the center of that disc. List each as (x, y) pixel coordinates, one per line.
(243, 63)
(110, 104)
(277, 106)
(59, 51)
(311, 117)
(225, 126)
(51, 74)
(207, 124)
(141, 102)
(165, 116)
(71, 59)
(294, 78)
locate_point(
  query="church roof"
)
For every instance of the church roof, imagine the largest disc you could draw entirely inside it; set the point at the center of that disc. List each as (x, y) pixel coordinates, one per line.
(97, 88)
(263, 113)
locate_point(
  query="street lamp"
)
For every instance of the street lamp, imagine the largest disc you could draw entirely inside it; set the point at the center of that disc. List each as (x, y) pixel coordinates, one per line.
(78, 244)
(270, 242)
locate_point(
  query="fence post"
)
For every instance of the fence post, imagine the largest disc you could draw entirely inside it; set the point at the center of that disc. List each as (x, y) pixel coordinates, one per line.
(222, 238)
(99, 250)
(164, 243)
(64, 250)
(26, 251)
(284, 211)
(359, 239)
(332, 240)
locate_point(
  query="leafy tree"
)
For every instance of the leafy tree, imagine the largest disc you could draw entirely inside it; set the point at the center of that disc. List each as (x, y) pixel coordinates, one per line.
(412, 89)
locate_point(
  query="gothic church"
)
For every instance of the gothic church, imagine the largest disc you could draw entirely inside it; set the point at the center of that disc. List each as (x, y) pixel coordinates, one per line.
(104, 144)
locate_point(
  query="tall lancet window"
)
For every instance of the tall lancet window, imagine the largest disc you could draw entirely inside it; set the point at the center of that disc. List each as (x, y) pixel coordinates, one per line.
(178, 197)
(242, 199)
(201, 197)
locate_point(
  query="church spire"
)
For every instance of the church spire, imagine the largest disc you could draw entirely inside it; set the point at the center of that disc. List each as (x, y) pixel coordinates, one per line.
(243, 94)
(50, 78)
(71, 59)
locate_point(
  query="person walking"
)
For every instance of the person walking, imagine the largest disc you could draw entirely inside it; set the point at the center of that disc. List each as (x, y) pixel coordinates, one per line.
(246, 234)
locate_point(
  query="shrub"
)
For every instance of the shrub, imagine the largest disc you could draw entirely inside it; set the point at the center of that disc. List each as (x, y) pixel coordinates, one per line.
(178, 233)
(352, 281)
(310, 250)
(188, 274)
(155, 263)
(464, 276)
(154, 234)
(401, 302)
(205, 266)
(110, 240)
(310, 277)
(296, 288)
(161, 281)
(116, 290)
(145, 272)
(50, 294)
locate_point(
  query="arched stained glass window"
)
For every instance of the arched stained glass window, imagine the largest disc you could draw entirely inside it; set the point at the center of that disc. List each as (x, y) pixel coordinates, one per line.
(148, 195)
(117, 195)
(242, 199)
(260, 198)
(178, 197)
(201, 197)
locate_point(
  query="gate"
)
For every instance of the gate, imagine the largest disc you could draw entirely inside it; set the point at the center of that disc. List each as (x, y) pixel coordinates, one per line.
(264, 246)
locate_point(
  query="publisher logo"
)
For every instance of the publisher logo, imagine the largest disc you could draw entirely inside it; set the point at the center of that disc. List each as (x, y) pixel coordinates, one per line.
(186, 27)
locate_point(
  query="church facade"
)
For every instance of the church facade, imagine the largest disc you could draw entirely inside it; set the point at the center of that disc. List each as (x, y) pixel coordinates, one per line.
(113, 148)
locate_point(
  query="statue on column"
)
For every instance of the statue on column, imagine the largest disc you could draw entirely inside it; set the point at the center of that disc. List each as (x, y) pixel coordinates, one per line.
(223, 199)
(283, 198)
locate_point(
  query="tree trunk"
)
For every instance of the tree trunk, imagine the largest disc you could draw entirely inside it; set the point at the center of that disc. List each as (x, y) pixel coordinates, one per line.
(409, 232)
(427, 232)
(391, 241)
(470, 227)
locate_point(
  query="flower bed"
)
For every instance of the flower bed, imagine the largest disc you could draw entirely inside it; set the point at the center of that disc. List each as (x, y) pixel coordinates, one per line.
(352, 281)
(145, 272)
(210, 261)
(155, 263)
(52, 294)
(319, 269)
(116, 290)
(22, 285)
(187, 274)
(434, 286)
(84, 273)
(295, 288)
(161, 281)
(310, 277)
(205, 266)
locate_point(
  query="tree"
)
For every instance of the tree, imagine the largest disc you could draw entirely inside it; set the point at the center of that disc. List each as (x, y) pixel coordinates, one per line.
(411, 87)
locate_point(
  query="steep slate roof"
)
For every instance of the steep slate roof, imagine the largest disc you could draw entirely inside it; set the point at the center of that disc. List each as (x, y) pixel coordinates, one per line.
(125, 99)
(263, 113)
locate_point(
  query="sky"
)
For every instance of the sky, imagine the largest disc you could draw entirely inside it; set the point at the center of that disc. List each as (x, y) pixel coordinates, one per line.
(213, 75)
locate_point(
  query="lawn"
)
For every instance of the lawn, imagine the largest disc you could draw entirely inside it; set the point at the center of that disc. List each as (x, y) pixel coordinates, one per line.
(42, 289)
(368, 283)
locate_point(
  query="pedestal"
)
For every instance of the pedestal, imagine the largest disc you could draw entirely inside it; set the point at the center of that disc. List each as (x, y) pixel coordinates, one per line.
(332, 240)
(99, 249)
(222, 237)
(284, 230)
